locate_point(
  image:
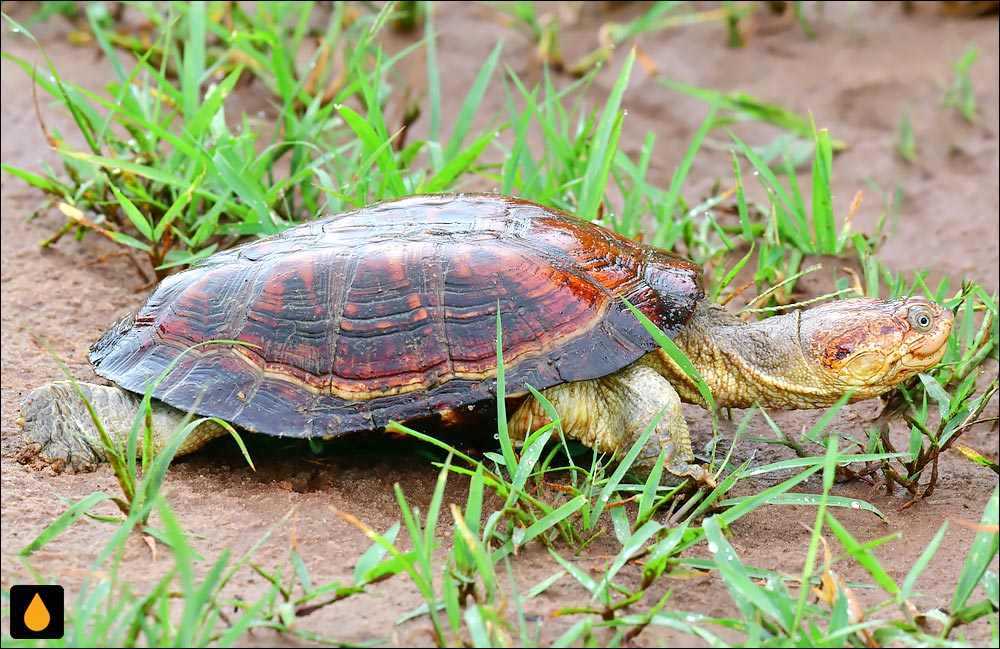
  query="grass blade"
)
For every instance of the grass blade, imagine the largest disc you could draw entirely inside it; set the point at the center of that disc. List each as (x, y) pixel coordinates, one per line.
(472, 102)
(681, 173)
(984, 549)
(67, 518)
(603, 146)
(675, 354)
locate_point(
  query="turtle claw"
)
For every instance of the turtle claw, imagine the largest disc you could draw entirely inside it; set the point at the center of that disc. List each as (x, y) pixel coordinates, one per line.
(59, 457)
(58, 430)
(696, 473)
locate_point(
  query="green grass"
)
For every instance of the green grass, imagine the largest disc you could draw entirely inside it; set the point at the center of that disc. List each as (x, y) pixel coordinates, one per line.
(543, 27)
(171, 171)
(960, 94)
(906, 143)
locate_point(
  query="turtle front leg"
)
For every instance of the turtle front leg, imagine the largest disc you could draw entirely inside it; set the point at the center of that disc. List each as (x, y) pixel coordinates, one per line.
(59, 430)
(610, 415)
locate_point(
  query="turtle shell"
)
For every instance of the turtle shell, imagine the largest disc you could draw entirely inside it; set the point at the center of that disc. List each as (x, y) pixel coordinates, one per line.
(389, 312)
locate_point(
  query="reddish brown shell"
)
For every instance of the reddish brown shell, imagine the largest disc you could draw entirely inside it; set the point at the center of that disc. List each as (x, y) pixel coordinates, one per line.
(390, 313)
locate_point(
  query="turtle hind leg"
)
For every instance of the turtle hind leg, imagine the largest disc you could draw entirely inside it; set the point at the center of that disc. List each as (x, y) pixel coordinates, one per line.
(59, 430)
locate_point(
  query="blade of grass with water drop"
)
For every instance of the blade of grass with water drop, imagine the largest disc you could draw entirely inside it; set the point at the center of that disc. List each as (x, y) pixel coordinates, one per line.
(603, 146)
(748, 596)
(472, 104)
(790, 215)
(506, 447)
(811, 500)
(675, 354)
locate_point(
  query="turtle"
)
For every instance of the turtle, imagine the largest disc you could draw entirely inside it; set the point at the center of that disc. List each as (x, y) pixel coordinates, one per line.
(391, 313)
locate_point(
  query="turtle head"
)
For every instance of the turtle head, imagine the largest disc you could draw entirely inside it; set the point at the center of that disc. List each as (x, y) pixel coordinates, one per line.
(871, 345)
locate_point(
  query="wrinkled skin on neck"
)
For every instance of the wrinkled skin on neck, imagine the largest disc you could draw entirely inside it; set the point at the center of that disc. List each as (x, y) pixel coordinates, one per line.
(810, 358)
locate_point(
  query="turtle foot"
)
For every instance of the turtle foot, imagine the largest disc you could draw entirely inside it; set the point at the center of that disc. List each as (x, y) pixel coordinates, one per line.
(677, 472)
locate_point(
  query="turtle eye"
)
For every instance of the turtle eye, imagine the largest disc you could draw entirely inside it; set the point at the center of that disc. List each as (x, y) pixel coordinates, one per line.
(921, 319)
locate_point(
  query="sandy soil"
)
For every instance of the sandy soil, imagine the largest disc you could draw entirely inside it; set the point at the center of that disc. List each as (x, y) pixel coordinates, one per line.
(870, 62)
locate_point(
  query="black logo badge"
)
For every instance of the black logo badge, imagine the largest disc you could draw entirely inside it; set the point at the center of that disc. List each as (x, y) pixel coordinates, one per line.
(36, 612)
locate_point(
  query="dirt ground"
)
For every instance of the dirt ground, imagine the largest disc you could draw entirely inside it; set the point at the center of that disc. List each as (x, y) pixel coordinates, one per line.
(869, 62)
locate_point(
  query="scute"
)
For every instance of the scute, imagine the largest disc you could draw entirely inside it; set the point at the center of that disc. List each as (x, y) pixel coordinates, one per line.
(390, 313)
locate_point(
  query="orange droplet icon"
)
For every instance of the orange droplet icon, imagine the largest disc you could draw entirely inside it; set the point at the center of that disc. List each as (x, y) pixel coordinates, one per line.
(37, 617)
